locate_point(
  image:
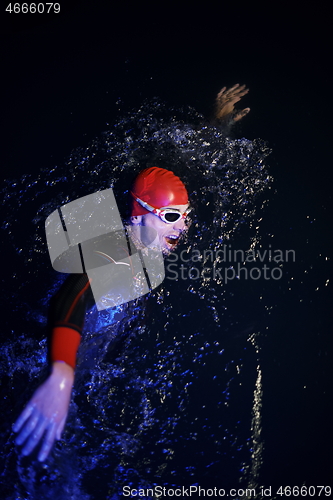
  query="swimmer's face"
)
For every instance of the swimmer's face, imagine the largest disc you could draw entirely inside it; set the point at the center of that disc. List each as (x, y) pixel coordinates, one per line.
(168, 234)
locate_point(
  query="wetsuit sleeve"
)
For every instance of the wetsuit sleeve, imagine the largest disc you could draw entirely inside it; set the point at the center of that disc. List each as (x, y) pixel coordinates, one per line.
(69, 305)
(67, 314)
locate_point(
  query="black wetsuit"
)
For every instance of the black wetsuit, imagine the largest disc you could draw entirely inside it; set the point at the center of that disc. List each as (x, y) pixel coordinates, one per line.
(116, 270)
(67, 315)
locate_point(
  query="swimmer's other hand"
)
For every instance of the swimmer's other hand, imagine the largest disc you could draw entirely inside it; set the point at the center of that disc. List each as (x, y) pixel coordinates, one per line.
(46, 412)
(225, 101)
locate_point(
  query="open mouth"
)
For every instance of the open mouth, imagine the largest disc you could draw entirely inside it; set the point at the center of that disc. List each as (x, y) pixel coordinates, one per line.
(172, 240)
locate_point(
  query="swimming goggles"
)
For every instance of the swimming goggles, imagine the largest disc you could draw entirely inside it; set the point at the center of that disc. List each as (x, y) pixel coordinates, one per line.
(168, 215)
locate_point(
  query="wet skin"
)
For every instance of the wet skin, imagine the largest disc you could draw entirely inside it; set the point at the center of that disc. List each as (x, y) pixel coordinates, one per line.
(168, 234)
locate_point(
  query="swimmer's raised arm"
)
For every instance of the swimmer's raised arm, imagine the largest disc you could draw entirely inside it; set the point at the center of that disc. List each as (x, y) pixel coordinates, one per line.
(225, 101)
(46, 412)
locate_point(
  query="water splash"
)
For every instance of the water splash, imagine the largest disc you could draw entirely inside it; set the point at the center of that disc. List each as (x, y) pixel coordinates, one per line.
(156, 397)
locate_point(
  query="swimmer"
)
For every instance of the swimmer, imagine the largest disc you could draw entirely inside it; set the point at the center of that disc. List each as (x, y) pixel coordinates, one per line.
(159, 200)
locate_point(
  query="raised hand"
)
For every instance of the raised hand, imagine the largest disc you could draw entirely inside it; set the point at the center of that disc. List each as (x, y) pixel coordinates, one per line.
(225, 101)
(44, 417)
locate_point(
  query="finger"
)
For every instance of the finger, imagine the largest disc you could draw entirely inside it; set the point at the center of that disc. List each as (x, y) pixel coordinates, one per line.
(48, 442)
(28, 428)
(222, 90)
(35, 437)
(237, 90)
(242, 92)
(232, 89)
(60, 428)
(241, 114)
(225, 93)
(244, 112)
(220, 95)
(23, 417)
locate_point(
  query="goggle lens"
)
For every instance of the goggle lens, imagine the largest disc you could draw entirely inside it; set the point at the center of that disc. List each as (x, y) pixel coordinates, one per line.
(171, 217)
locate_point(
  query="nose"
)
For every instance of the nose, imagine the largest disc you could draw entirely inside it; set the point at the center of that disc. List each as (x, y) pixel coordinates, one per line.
(179, 225)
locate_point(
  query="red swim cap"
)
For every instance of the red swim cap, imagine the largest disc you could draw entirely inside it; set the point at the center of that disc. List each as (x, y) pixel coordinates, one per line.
(159, 188)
